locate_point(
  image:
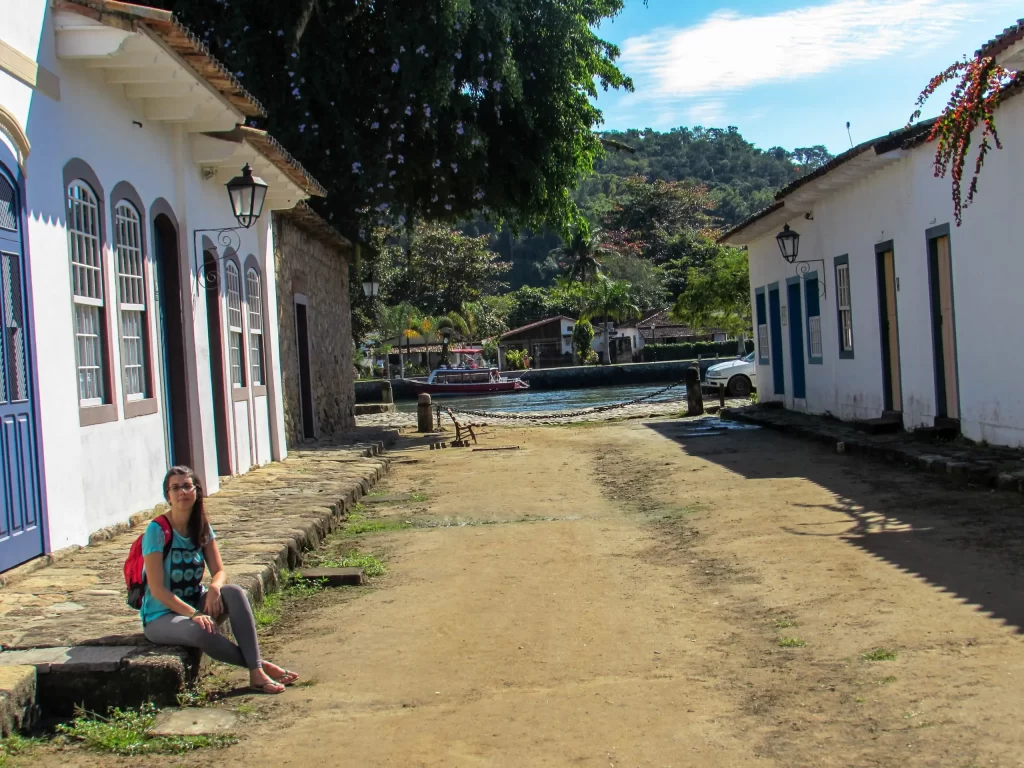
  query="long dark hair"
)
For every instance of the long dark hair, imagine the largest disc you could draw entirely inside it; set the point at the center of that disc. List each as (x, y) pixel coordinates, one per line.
(198, 523)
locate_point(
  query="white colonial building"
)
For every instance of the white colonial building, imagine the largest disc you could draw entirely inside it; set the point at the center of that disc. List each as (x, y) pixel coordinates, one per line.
(138, 331)
(891, 309)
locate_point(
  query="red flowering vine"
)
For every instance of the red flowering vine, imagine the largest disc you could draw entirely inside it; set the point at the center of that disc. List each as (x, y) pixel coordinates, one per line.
(972, 104)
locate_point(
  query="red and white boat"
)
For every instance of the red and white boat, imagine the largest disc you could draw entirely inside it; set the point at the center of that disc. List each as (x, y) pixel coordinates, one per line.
(468, 381)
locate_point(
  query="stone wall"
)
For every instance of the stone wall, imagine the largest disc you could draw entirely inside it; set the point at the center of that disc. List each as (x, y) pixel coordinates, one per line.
(313, 261)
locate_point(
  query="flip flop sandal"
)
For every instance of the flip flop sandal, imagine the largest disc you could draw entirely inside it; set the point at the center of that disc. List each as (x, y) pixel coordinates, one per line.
(267, 688)
(287, 678)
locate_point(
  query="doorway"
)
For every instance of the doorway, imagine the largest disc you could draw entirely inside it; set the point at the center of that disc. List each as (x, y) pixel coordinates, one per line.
(220, 392)
(888, 325)
(21, 509)
(796, 338)
(172, 338)
(940, 278)
(305, 381)
(775, 318)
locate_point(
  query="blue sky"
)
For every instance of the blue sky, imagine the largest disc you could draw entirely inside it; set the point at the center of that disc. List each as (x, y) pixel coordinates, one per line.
(790, 73)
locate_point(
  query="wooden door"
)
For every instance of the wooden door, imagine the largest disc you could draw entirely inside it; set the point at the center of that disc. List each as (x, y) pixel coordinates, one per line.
(947, 392)
(21, 525)
(889, 331)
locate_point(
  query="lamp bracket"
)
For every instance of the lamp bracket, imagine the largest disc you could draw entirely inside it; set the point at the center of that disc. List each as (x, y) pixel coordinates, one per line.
(228, 239)
(802, 267)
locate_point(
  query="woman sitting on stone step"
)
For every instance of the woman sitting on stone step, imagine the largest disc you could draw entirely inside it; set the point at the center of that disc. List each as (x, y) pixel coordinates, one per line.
(178, 610)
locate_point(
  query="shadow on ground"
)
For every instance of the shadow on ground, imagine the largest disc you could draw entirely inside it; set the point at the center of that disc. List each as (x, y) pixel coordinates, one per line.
(966, 541)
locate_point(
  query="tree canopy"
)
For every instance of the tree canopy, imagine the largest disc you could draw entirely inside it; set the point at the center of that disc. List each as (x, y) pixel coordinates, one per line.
(409, 110)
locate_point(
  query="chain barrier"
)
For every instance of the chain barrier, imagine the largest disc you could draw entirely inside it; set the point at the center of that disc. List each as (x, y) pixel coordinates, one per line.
(569, 414)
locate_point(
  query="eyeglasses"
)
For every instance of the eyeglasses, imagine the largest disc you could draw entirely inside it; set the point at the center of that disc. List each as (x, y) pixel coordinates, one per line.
(181, 488)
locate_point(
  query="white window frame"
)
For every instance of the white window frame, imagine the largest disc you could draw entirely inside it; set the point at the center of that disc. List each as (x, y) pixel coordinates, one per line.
(236, 349)
(85, 253)
(814, 336)
(762, 340)
(130, 261)
(844, 302)
(254, 303)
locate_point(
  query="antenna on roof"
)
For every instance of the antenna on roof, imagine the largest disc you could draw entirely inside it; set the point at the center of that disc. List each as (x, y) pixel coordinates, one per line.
(849, 134)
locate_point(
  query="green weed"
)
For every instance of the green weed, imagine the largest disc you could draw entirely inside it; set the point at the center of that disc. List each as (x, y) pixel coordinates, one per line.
(308, 683)
(364, 526)
(15, 745)
(193, 696)
(124, 732)
(786, 623)
(791, 642)
(293, 588)
(246, 709)
(879, 654)
(370, 564)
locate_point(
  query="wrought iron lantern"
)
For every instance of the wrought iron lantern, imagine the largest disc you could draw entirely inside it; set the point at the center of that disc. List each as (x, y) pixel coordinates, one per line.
(789, 243)
(247, 193)
(371, 287)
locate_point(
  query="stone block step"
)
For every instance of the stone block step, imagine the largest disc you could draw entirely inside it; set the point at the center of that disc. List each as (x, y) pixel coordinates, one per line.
(18, 708)
(195, 722)
(335, 577)
(99, 677)
(391, 498)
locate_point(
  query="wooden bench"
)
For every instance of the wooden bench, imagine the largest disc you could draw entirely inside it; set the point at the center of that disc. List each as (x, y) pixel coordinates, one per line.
(461, 430)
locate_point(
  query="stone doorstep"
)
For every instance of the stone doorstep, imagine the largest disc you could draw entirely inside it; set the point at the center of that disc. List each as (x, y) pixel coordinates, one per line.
(99, 677)
(980, 471)
(334, 577)
(18, 709)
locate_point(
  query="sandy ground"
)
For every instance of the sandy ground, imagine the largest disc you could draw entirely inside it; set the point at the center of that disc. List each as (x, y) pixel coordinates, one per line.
(616, 595)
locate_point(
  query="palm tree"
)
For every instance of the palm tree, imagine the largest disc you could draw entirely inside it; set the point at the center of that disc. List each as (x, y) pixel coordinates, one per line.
(581, 256)
(609, 299)
(397, 323)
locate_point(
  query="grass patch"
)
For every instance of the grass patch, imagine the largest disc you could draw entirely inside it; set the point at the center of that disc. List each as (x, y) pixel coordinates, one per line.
(193, 697)
(293, 588)
(786, 623)
(363, 526)
(124, 732)
(246, 709)
(15, 745)
(879, 654)
(791, 642)
(418, 497)
(370, 564)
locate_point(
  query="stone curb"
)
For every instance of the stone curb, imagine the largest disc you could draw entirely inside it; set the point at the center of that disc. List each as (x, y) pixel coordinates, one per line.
(18, 709)
(981, 472)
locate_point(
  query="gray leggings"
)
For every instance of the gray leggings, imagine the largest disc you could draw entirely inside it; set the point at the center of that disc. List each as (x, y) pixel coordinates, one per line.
(172, 629)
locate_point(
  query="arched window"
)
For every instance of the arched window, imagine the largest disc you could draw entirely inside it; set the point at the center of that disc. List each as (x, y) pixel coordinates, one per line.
(86, 251)
(131, 287)
(236, 358)
(254, 299)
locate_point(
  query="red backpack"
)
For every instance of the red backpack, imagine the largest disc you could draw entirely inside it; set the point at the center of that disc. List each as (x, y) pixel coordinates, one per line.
(133, 566)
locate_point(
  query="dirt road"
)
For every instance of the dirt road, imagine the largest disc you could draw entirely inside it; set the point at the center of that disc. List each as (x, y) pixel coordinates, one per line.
(661, 595)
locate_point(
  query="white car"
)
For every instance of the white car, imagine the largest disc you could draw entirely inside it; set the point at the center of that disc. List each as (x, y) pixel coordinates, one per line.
(739, 376)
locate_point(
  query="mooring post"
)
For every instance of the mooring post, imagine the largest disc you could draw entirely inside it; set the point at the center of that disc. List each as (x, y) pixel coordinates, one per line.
(386, 395)
(694, 397)
(424, 414)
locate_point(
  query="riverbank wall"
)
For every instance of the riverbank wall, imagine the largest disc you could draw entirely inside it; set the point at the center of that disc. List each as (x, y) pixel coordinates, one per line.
(574, 377)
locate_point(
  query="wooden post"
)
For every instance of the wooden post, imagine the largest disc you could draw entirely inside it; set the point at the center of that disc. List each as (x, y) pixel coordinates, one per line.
(721, 395)
(694, 397)
(424, 415)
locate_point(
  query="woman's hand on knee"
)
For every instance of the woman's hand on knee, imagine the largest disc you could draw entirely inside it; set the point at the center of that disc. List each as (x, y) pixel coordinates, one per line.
(213, 605)
(205, 622)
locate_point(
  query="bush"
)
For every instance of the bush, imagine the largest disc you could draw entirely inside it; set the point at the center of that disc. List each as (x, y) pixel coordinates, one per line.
(653, 353)
(517, 360)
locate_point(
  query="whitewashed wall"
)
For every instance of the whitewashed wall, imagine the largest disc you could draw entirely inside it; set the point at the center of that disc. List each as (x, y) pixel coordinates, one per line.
(101, 474)
(900, 203)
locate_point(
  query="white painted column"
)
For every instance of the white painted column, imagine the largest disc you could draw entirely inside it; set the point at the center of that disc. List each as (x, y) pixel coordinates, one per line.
(275, 400)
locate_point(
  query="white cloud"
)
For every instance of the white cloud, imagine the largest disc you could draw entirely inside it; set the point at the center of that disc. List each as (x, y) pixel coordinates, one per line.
(729, 52)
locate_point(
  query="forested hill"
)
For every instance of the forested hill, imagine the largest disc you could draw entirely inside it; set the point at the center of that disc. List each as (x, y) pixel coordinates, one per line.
(743, 179)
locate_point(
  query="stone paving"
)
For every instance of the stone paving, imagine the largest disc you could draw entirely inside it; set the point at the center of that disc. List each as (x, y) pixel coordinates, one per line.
(53, 618)
(995, 467)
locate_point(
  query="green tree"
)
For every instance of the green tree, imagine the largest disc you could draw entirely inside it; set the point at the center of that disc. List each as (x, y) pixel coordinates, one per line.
(397, 322)
(646, 281)
(528, 306)
(446, 270)
(609, 300)
(583, 340)
(425, 110)
(717, 295)
(580, 256)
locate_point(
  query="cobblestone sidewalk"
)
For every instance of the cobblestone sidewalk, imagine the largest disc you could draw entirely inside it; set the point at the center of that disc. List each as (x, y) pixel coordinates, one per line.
(71, 616)
(1001, 468)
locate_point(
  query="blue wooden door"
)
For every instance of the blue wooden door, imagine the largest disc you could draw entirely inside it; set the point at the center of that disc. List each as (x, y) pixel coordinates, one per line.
(778, 362)
(796, 341)
(21, 529)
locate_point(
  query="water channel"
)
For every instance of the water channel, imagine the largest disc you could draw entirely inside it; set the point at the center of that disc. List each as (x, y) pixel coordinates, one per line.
(550, 400)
